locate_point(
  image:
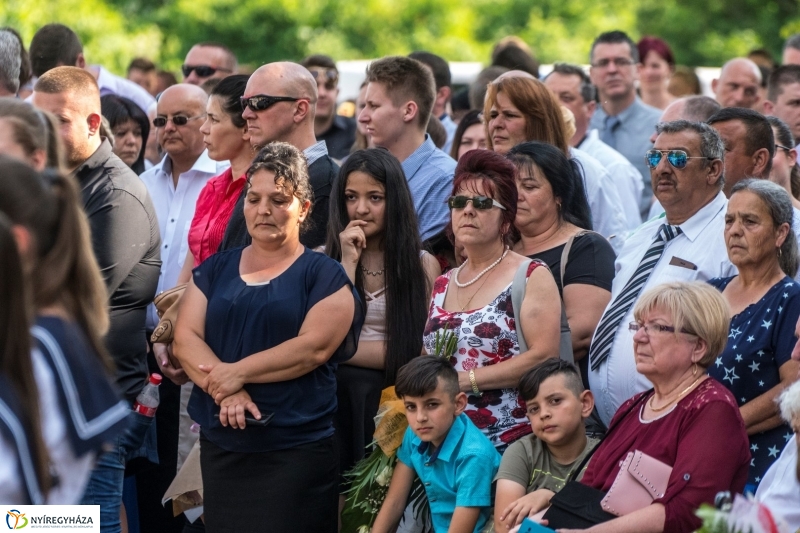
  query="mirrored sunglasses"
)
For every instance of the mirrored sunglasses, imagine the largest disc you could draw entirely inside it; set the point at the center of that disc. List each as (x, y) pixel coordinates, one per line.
(676, 158)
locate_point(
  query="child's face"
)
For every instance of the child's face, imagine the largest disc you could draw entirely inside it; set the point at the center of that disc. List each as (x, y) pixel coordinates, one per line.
(431, 416)
(556, 414)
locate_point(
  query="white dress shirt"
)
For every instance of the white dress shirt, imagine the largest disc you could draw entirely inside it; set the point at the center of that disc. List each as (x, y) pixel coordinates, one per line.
(701, 243)
(780, 489)
(626, 177)
(608, 218)
(175, 210)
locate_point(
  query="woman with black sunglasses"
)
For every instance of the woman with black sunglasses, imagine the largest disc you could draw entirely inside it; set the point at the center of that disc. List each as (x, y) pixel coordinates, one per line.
(473, 301)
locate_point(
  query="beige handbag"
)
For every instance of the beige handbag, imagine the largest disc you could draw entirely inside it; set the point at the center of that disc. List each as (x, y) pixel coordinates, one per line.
(167, 308)
(641, 480)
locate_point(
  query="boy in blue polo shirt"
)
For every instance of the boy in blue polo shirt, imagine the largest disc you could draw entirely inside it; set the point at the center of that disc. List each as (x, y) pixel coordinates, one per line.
(454, 460)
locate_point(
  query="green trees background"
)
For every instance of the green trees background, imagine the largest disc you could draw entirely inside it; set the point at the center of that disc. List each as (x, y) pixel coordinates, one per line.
(259, 31)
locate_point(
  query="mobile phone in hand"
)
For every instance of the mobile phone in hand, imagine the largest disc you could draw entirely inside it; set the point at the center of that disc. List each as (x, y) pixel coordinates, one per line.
(529, 526)
(250, 421)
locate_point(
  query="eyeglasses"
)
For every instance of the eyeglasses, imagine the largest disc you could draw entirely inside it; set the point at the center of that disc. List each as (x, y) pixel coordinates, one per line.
(676, 158)
(633, 327)
(620, 62)
(178, 120)
(329, 76)
(262, 102)
(203, 71)
(780, 146)
(478, 202)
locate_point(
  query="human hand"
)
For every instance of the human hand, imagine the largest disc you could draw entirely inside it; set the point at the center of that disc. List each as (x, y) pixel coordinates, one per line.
(223, 379)
(524, 507)
(168, 365)
(232, 410)
(353, 241)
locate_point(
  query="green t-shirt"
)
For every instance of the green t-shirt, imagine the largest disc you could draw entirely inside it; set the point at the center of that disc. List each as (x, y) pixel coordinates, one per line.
(529, 463)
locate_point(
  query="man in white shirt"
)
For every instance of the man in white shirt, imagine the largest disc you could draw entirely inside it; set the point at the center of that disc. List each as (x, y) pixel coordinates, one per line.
(56, 45)
(174, 185)
(687, 179)
(780, 488)
(575, 91)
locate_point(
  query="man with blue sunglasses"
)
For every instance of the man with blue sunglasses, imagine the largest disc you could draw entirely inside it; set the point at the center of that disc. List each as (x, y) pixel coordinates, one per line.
(686, 244)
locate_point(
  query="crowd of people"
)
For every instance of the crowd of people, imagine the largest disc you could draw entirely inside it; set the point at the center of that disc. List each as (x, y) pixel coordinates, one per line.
(565, 280)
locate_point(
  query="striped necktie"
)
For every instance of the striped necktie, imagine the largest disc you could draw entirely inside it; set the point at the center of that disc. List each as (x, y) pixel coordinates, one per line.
(609, 323)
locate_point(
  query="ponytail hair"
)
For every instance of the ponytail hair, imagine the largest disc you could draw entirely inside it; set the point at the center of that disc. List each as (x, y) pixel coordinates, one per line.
(16, 316)
(65, 271)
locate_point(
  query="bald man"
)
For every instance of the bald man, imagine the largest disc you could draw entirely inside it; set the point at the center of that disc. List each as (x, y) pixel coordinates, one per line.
(174, 184)
(125, 240)
(289, 119)
(738, 84)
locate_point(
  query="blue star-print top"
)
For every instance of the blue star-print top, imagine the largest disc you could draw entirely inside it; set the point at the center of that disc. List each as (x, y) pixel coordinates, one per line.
(761, 339)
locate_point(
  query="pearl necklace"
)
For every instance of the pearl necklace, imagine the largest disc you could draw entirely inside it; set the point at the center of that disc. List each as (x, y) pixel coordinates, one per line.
(373, 272)
(482, 272)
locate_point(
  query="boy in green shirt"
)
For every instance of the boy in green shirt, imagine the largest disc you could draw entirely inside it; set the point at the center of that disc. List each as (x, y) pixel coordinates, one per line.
(536, 466)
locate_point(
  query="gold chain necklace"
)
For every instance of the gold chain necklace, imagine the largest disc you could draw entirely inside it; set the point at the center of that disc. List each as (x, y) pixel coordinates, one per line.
(684, 391)
(458, 294)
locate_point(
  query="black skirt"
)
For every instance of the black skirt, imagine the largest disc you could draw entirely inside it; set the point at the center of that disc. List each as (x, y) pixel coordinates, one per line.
(358, 395)
(279, 491)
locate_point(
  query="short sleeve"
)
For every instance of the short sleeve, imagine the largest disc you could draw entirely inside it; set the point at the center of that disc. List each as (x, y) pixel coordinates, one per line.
(406, 449)
(516, 464)
(474, 473)
(590, 262)
(205, 274)
(700, 471)
(783, 338)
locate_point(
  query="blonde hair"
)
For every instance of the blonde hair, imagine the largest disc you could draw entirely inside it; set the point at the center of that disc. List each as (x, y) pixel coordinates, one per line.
(696, 308)
(72, 80)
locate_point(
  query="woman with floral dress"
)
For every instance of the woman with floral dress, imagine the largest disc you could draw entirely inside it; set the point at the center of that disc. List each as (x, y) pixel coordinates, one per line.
(473, 301)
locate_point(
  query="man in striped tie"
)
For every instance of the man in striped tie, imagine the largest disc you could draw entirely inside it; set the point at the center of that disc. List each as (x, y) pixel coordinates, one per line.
(684, 244)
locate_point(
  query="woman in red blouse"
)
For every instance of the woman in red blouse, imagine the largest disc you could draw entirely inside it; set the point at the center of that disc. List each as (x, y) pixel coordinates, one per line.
(688, 420)
(226, 138)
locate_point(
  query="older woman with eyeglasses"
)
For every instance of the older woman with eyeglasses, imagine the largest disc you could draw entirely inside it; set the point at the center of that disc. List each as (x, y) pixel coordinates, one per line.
(756, 364)
(473, 301)
(679, 329)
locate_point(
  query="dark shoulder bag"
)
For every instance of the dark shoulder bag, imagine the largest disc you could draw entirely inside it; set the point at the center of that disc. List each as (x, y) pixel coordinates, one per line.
(577, 506)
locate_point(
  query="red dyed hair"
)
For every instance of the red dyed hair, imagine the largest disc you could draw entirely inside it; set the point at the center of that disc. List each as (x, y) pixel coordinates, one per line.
(659, 46)
(498, 177)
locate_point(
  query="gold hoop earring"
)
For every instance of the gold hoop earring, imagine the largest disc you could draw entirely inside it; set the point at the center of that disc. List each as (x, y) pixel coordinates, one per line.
(779, 252)
(694, 369)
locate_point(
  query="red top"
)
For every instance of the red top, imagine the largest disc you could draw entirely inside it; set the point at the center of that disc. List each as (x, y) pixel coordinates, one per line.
(212, 212)
(703, 438)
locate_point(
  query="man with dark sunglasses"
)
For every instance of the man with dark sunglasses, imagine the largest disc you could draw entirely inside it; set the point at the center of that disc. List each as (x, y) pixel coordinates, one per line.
(338, 132)
(279, 105)
(207, 61)
(686, 244)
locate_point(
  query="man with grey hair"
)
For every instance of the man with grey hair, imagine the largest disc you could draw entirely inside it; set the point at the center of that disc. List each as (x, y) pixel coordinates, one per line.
(280, 105)
(686, 172)
(791, 50)
(780, 488)
(10, 61)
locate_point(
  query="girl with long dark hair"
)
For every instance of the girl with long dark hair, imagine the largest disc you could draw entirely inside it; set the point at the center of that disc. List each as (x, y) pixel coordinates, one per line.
(373, 232)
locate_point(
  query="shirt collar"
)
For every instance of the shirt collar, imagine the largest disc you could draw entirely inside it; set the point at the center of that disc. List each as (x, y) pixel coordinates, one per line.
(203, 164)
(698, 222)
(418, 157)
(315, 152)
(445, 451)
(97, 159)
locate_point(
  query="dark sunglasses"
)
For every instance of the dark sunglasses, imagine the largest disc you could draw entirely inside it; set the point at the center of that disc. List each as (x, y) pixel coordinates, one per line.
(178, 120)
(329, 76)
(261, 102)
(676, 158)
(478, 202)
(203, 71)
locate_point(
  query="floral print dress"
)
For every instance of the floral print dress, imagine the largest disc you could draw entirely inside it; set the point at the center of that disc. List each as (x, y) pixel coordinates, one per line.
(486, 336)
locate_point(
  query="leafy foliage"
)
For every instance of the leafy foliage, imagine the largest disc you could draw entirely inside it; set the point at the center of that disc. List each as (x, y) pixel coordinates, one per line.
(260, 31)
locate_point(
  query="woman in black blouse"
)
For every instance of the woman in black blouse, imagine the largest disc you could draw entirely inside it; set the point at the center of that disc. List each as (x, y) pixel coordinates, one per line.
(553, 208)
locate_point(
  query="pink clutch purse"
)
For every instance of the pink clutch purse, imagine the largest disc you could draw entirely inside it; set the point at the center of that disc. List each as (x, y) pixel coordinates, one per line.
(641, 480)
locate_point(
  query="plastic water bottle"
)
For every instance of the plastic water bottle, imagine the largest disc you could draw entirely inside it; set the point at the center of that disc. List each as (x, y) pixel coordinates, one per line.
(147, 401)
